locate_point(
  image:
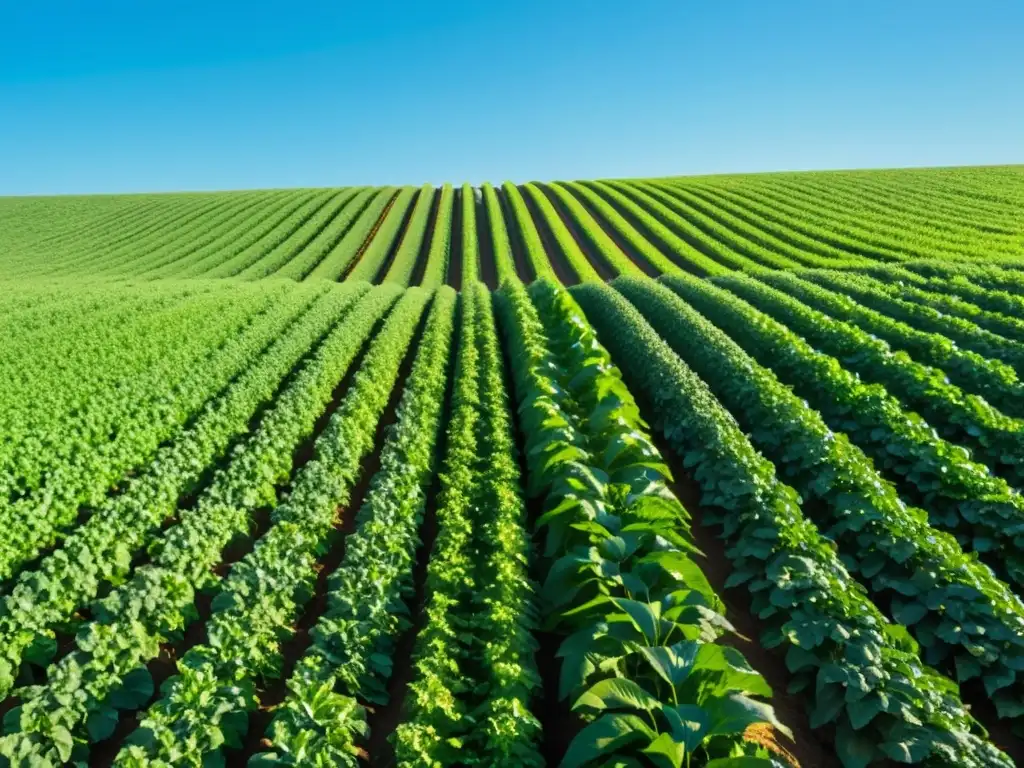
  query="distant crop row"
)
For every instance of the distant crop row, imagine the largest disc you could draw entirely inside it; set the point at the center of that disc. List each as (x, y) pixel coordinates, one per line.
(728, 500)
(571, 231)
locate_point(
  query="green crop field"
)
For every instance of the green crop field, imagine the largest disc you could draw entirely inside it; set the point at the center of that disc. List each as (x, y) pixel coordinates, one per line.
(714, 472)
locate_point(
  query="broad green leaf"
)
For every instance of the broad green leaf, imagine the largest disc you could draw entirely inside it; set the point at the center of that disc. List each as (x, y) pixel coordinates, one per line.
(663, 751)
(605, 736)
(617, 693)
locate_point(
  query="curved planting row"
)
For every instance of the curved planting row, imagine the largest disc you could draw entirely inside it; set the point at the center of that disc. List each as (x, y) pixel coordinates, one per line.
(203, 710)
(964, 618)
(254, 229)
(519, 218)
(638, 618)
(322, 721)
(719, 236)
(622, 227)
(39, 520)
(994, 380)
(278, 239)
(993, 437)
(335, 264)
(436, 269)
(202, 235)
(960, 495)
(600, 242)
(468, 703)
(290, 253)
(327, 239)
(373, 258)
(870, 293)
(861, 675)
(104, 675)
(953, 285)
(101, 550)
(403, 266)
(229, 241)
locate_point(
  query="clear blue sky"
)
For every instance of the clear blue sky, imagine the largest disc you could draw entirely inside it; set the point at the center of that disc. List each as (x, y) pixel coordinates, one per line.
(135, 95)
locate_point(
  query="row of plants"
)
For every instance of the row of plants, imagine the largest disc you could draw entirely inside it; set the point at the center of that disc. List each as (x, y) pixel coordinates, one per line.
(861, 675)
(334, 264)
(610, 215)
(208, 234)
(639, 661)
(528, 235)
(878, 233)
(327, 239)
(955, 286)
(238, 233)
(600, 243)
(384, 238)
(87, 691)
(468, 702)
(147, 234)
(995, 381)
(117, 381)
(995, 439)
(39, 521)
(950, 214)
(202, 711)
(501, 244)
(793, 244)
(783, 219)
(272, 241)
(652, 229)
(659, 204)
(967, 622)
(435, 271)
(722, 235)
(507, 733)
(896, 221)
(290, 250)
(966, 334)
(960, 495)
(988, 276)
(403, 266)
(563, 236)
(346, 669)
(84, 225)
(100, 552)
(467, 234)
(167, 241)
(53, 376)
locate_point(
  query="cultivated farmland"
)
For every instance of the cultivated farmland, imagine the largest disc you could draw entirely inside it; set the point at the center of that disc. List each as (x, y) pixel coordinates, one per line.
(699, 471)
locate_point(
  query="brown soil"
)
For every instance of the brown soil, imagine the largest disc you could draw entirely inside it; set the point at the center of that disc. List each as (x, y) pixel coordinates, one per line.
(515, 237)
(454, 275)
(396, 244)
(485, 240)
(428, 238)
(369, 238)
(604, 269)
(999, 731)
(630, 252)
(559, 263)
(384, 720)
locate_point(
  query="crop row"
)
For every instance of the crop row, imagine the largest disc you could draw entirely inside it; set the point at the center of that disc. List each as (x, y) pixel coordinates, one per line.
(862, 676)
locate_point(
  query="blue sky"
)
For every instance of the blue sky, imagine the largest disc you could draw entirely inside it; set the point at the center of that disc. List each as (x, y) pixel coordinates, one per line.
(129, 96)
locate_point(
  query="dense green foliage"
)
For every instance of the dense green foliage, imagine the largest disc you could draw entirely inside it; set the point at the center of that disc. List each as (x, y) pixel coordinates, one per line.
(710, 472)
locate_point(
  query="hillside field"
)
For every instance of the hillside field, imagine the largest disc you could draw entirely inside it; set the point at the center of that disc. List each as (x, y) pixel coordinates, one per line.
(702, 472)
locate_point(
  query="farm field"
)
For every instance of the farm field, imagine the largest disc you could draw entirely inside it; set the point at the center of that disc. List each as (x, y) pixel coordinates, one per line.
(701, 471)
